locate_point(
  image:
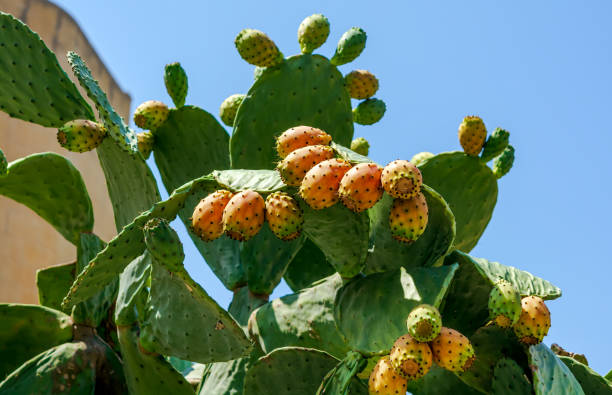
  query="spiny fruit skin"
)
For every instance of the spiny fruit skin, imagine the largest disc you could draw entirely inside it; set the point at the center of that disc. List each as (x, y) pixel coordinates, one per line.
(81, 135)
(402, 179)
(313, 32)
(207, 218)
(320, 185)
(452, 350)
(369, 111)
(229, 108)
(424, 323)
(298, 137)
(410, 358)
(163, 243)
(408, 218)
(495, 144)
(534, 322)
(3, 164)
(361, 146)
(472, 135)
(284, 216)
(503, 163)
(244, 215)
(257, 48)
(361, 84)
(294, 167)
(350, 46)
(151, 114)
(420, 158)
(504, 304)
(360, 188)
(384, 379)
(175, 80)
(145, 143)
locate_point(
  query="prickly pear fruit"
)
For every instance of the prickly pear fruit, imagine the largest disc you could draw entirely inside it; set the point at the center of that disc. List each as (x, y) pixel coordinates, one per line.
(243, 216)
(369, 111)
(350, 45)
(452, 350)
(3, 164)
(163, 243)
(503, 163)
(257, 48)
(145, 143)
(320, 185)
(361, 84)
(534, 322)
(424, 323)
(504, 304)
(408, 218)
(313, 32)
(384, 379)
(207, 218)
(284, 216)
(81, 135)
(495, 144)
(175, 79)
(294, 167)
(402, 179)
(361, 146)
(229, 108)
(151, 114)
(472, 135)
(421, 157)
(410, 358)
(298, 137)
(360, 188)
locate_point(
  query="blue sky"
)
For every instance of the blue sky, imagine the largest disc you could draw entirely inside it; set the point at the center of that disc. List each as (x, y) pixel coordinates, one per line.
(542, 70)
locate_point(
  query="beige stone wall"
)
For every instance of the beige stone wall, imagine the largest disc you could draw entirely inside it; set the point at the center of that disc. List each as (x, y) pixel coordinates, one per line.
(27, 242)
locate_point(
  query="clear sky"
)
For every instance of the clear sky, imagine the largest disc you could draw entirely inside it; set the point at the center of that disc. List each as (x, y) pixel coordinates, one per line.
(540, 69)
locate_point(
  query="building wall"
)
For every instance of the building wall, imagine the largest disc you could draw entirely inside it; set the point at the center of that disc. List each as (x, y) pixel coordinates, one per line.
(27, 242)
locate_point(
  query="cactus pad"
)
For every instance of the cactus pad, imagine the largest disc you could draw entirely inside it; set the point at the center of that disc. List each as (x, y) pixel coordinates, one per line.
(53, 284)
(591, 382)
(550, 375)
(176, 83)
(131, 283)
(509, 379)
(309, 265)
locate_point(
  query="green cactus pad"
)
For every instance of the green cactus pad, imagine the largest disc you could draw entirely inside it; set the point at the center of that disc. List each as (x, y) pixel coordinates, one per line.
(3, 164)
(342, 377)
(369, 111)
(131, 283)
(185, 322)
(53, 188)
(350, 46)
(53, 284)
(550, 375)
(148, 374)
(381, 302)
(440, 381)
(303, 319)
(495, 144)
(509, 379)
(308, 266)
(437, 240)
(175, 80)
(228, 377)
(261, 181)
(163, 243)
(470, 189)
(313, 32)
(27, 330)
(304, 90)
(33, 86)
(503, 163)
(349, 155)
(590, 381)
(243, 303)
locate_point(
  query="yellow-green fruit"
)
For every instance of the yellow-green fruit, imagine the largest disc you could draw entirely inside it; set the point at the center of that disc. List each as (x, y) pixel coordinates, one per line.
(472, 135)
(145, 143)
(257, 48)
(361, 84)
(207, 218)
(294, 167)
(420, 158)
(313, 32)
(452, 351)
(284, 216)
(402, 179)
(151, 114)
(81, 135)
(424, 323)
(229, 108)
(504, 304)
(384, 380)
(298, 137)
(361, 146)
(408, 218)
(534, 322)
(244, 215)
(369, 111)
(410, 358)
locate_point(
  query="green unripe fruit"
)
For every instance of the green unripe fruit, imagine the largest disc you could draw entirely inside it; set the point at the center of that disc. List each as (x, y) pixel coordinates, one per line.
(350, 46)
(495, 144)
(3, 164)
(175, 79)
(504, 304)
(163, 243)
(81, 135)
(369, 111)
(361, 146)
(420, 158)
(424, 323)
(503, 163)
(151, 114)
(257, 48)
(361, 84)
(145, 143)
(229, 108)
(313, 32)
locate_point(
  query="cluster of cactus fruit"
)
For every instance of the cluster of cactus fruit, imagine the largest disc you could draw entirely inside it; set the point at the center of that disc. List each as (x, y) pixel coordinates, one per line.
(366, 312)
